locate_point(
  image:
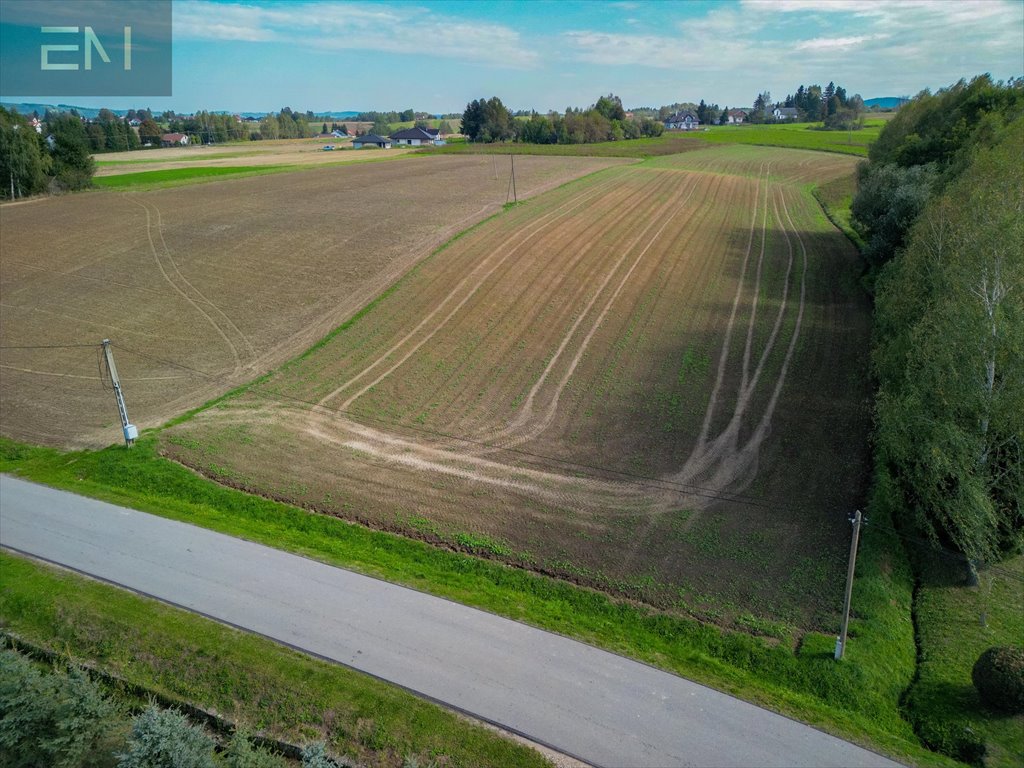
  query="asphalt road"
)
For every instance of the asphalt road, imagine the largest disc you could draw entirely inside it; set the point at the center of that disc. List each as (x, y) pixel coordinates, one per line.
(594, 705)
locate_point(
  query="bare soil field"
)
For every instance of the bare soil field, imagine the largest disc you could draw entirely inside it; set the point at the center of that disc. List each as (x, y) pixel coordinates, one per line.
(202, 288)
(651, 381)
(255, 153)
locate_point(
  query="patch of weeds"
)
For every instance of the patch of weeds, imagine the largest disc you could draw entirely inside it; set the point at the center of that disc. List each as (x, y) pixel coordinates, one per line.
(765, 627)
(478, 542)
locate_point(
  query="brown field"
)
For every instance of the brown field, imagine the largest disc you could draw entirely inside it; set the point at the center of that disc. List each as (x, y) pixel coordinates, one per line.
(205, 287)
(651, 381)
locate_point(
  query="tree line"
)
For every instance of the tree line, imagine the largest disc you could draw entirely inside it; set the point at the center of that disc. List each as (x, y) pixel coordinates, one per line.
(55, 160)
(829, 105)
(941, 207)
(490, 121)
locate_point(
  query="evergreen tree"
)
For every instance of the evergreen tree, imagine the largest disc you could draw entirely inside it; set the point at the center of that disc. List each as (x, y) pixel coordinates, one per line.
(162, 738)
(72, 166)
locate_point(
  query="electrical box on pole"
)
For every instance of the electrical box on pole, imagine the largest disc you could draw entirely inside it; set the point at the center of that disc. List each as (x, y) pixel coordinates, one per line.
(841, 640)
(129, 430)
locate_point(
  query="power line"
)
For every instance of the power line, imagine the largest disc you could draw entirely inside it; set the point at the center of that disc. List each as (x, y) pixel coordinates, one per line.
(47, 346)
(169, 362)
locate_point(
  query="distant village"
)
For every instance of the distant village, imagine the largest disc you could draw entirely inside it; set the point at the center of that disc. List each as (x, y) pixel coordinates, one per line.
(109, 131)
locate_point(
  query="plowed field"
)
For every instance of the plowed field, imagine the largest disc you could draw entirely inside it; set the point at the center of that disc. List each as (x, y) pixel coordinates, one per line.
(650, 381)
(205, 287)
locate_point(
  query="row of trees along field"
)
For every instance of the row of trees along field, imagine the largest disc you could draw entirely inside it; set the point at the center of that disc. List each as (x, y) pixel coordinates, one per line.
(489, 120)
(55, 160)
(941, 207)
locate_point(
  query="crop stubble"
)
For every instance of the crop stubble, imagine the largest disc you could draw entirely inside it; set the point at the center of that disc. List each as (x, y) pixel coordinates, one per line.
(229, 278)
(692, 321)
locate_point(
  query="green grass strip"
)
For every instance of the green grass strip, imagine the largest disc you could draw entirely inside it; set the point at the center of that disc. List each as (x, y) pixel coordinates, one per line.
(199, 156)
(857, 699)
(799, 136)
(269, 688)
(177, 176)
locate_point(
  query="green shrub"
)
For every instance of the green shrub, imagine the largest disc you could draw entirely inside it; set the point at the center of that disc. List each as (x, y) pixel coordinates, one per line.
(315, 756)
(163, 738)
(951, 738)
(241, 753)
(998, 676)
(54, 720)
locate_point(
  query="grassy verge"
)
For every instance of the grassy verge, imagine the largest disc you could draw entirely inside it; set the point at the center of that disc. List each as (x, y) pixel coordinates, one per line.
(264, 686)
(943, 704)
(858, 698)
(836, 199)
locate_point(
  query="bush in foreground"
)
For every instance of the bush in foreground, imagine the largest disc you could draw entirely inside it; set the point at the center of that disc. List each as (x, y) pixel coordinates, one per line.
(163, 738)
(57, 720)
(998, 676)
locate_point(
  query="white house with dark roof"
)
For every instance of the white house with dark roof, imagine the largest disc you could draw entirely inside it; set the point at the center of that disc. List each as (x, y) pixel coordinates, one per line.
(785, 113)
(413, 137)
(682, 121)
(736, 116)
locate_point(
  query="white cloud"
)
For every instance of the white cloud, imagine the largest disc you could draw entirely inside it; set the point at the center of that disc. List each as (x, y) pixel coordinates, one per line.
(867, 45)
(833, 43)
(346, 26)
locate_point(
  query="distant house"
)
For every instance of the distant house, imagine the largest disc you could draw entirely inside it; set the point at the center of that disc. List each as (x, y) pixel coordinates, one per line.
(784, 113)
(682, 121)
(413, 137)
(37, 125)
(435, 133)
(174, 140)
(736, 116)
(134, 122)
(337, 133)
(371, 140)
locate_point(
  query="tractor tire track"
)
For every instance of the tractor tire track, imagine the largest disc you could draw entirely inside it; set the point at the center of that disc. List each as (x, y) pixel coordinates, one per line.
(167, 277)
(546, 221)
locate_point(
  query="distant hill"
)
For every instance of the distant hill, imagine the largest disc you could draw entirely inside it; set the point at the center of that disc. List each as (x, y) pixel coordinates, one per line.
(885, 102)
(27, 109)
(91, 112)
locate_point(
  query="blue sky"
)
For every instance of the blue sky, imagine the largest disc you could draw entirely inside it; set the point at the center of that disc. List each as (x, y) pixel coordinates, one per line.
(435, 56)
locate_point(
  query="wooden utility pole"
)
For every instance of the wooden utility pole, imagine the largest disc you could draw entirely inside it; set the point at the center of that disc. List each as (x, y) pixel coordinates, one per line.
(841, 640)
(130, 431)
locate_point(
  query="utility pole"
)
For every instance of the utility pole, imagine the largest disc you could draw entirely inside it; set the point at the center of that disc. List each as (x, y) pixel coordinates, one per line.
(515, 197)
(130, 431)
(841, 640)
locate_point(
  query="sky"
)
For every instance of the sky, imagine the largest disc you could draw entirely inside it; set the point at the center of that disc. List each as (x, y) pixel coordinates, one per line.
(326, 55)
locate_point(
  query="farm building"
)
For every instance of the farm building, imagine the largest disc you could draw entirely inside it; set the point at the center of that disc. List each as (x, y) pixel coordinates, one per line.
(682, 121)
(737, 116)
(413, 137)
(173, 140)
(371, 140)
(784, 113)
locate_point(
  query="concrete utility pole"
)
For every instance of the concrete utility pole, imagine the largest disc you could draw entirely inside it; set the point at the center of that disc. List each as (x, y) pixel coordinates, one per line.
(515, 197)
(130, 431)
(841, 640)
